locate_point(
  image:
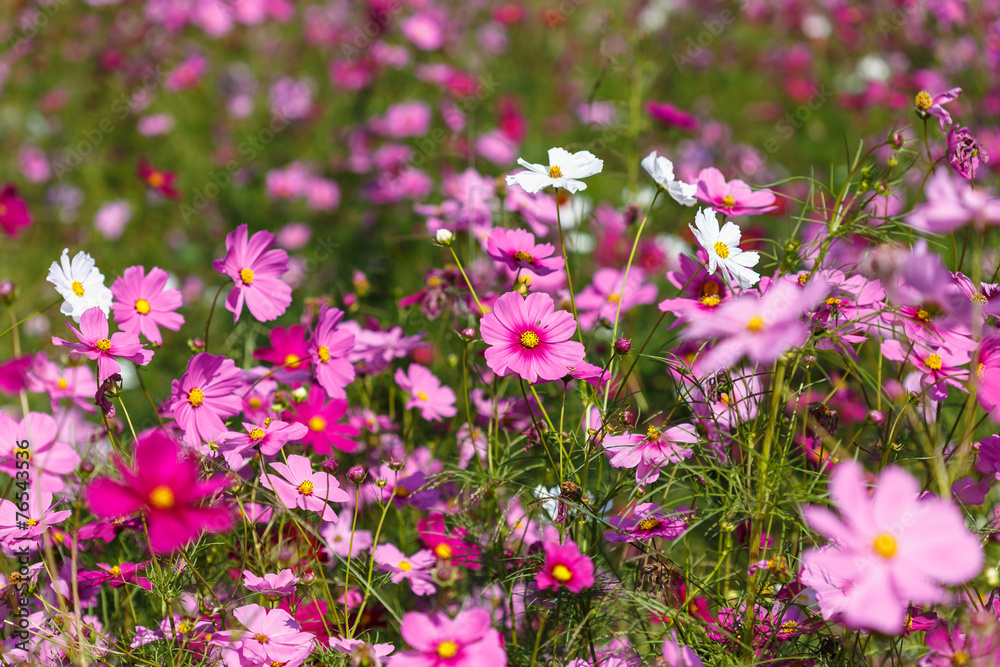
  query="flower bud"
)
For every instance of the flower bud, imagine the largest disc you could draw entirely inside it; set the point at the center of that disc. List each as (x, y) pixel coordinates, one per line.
(629, 416)
(380, 483)
(892, 160)
(876, 417)
(444, 237)
(7, 291)
(196, 344)
(395, 464)
(330, 465)
(356, 474)
(468, 333)
(622, 346)
(896, 139)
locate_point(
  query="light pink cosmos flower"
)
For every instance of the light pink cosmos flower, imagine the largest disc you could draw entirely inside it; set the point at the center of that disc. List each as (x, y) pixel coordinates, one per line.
(516, 248)
(932, 106)
(646, 521)
(143, 303)
(256, 269)
(434, 400)
(939, 366)
(270, 437)
(733, 198)
(76, 383)
(296, 485)
(50, 460)
(530, 338)
(95, 343)
(565, 567)
(952, 204)
(889, 548)
(604, 298)
(329, 348)
(40, 516)
(361, 652)
(416, 568)
(271, 585)
(271, 637)
(187, 74)
(468, 640)
(204, 396)
(650, 452)
(424, 30)
(678, 655)
(338, 539)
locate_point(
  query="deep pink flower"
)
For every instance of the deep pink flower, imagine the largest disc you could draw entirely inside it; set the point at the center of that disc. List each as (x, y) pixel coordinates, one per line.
(468, 640)
(650, 452)
(530, 338)
(322, 417)
(733, 198)
(888, 549)
(271, 637)
(516, 248)
(143, 303)
(671, 116)
(451, 546)
(965, 153)
(604, 298)
(256, 269)
(206, 394)
(14, 215)
(159, 180)
(329, 348)
(416, 568)
(125, 573)
(565, 567)
(289, 351)
(95, 343)
(646, 521)
(166, 489)
(296, 485)
(434, 400)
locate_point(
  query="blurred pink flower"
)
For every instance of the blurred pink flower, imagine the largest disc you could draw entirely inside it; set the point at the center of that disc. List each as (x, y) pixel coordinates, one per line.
(155, 124)
(111, 218)
(415, 568)
(468, 640)
(14, 215)
(516, 248)
(187, 74)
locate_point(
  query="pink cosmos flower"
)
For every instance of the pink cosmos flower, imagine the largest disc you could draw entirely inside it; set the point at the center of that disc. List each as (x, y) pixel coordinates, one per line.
(325, 433)
(517, 249)
(933, 106)
(678, 655)
(271, 585)
(143, 303)
(671, 116)
(530, 338)
(329, 348)
(51, 461)
(289, 352)
(166, 489)
(186, 74)
(256, 270)
(451, 546)
(425, 30)
(565, 567)
(125, 573)
(888, 549)
(14, 215)
(270, 437)
(939, 367)
(204, 396)
(361, 652)
(650, 452)
(733, 198)
(296, 485)
(40, 517)
(95, 343)
(952, 204)
(646, 521)
(339, 540)
(604, 298)
(416, 568)
(965, 152)
(434, 400)
(271, 637)
(468, 640)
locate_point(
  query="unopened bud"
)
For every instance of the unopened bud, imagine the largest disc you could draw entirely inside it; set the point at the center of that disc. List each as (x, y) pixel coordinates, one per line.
(444, 237)
(892, 160)
(330, 465)
(468, 333)
(622, 346)
(7, 291)
(876, 417)
(629, 416)
(395, 464)
(896, 140)
(356, 474)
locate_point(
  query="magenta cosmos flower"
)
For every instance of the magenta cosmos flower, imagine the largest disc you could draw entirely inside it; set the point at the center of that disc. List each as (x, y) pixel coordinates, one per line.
(646, 521)
(95, 343)
(143, 304)
(166, 489)
(427, 394)
(322, 417)
(14, 214)
(468, 640)
(272, 637)
(517, 249)
(604, 298)
(933, 106)
(206, 394)
(648, 453)
(889, 548)
(530, 338)
(733, 198)
(329, 349)
(296, 485)
(565, 567)
(270, 437)
(256, 270)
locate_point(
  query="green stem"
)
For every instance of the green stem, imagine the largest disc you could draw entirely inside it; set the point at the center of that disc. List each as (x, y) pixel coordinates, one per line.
(467, 281)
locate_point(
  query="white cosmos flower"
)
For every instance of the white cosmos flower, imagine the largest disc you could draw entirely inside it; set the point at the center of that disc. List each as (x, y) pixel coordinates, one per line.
(562, 171)
(722, 248)
(662, 171)
(81, 283)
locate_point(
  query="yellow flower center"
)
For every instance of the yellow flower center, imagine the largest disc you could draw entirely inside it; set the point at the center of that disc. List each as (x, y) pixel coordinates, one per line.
(885, 546)
(804, 277)
(561, 573)
(422, 396)
(317, 424)
(790, 626)
(77, 288)
(263, 639)
(649, 523)
(115, 571)
(246, 275)
(613, 298)
(447, 649)
(405, 566)
(530, 339)
(196, 397)
(979, 298)
(522, 256)
(32, 522)
(652, 433)
(155, 179)
(728, 201)
(306, 488)
(923, 101)
(255, 403)
(103, 345)
(981, 371)
(62, 384)
(756, 323)
(960, 659)
(256, 433)
(555, 172)
(710, 301)
(833, 301)
(923, 315)
(292, 361)
(324, 354)
(141, 306)
(721, 249)
(162, 497)
(933, 362)
(184, 627)
(443, 551)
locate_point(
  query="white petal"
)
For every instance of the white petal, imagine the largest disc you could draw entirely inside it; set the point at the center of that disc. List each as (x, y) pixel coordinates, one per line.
(560, 157)
(530, 181)
(570, 185)
(730, 234)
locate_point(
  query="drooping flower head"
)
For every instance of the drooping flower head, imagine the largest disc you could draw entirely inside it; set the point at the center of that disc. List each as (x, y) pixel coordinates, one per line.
(143, 303)
(563, 171)
(80, 283)
(661, 170)
(256, 269)
(965, 153)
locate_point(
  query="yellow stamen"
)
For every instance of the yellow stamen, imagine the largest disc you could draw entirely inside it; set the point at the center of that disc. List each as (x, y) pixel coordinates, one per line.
(555, 172)
(728, 201)
(447, 649)
(77, 288)
(103, 345)
(255, 403)
(246, 275)
(292, 361)
(923, 315)
(32, 522)
(804, 277)
(613, 298)
(405, 566)
(756, 323)
(960, 659)
(933, 362)
(710, 301)
(115, 571)
(141, 306)
(162, 497)
(263, 639)
(324, 354)
(317, 424)
(422, 396)
(155, 179)
(530, 339)
(257, 433)
(652, 433)
(979, 298)
(833, 301)
(721, 249)
(522, 256)
(885, 545)
(196, 397)
(62, 384)
(306, 488)
(561, 573)
(649, 523)
(981, 371)
(443, 551)
(923, 101)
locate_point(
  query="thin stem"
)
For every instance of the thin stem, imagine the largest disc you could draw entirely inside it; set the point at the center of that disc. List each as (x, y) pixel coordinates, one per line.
(212, 312)
(467, 281)
(569, 274)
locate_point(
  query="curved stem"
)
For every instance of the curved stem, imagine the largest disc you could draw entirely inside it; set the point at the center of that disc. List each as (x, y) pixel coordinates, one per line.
(212, 312)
